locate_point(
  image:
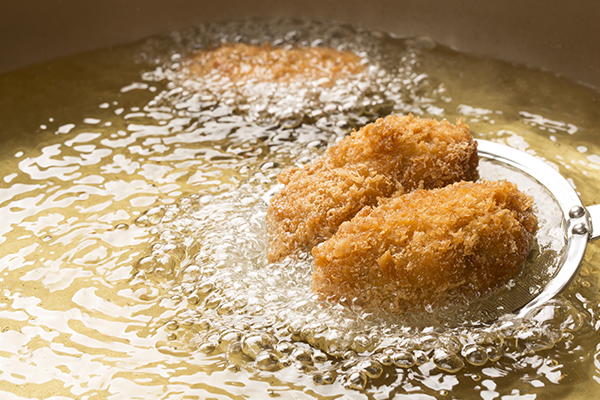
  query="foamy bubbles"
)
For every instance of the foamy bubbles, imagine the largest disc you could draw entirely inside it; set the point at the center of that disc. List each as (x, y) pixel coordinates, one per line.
(359, 84)
(209, 255)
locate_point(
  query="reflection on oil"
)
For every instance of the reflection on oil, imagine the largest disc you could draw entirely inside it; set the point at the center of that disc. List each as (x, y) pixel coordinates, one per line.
(132, 204)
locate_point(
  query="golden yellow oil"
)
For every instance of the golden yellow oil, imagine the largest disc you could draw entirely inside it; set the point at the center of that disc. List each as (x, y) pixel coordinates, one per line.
(132, 201)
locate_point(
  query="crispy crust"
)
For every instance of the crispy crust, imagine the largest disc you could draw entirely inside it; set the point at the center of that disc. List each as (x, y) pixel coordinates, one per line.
(391, 156)
(413, 249)
(241, 62)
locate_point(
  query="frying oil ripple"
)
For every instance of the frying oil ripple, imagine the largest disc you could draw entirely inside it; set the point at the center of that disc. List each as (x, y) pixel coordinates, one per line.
(132, 249)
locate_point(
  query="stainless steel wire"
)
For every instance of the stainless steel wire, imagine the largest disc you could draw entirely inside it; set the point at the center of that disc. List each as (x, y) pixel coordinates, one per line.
(551, 272)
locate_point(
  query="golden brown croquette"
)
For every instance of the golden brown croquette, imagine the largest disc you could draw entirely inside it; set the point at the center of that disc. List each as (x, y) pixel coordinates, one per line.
(242, 62)
(413, 249)
(396, 154)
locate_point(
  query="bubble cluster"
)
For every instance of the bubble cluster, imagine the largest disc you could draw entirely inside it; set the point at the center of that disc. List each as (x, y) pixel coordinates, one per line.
(387, 84)
(208, 255)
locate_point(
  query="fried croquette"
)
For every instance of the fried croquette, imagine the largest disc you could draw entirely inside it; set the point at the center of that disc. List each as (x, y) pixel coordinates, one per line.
(393, 155)
(241, 62)
(415, 248)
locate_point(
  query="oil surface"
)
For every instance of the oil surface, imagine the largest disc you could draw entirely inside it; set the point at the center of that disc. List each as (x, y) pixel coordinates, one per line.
(132, 248)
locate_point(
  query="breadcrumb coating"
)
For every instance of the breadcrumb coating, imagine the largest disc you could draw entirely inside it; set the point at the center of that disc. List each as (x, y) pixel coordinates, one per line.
(394, 155)
(242, 62)
(414, 249)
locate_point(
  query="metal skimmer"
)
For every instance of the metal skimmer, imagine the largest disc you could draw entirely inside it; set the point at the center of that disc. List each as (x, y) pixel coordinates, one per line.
(559, 269)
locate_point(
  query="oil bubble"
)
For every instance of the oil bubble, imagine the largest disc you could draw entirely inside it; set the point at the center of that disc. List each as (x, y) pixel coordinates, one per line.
(229, 339)
(371, 368)
(213, 301)
(319, 357)
(147, 264)
(255, 344)
(493, 353)
(475, 354)
(172, 325)
(356, 380)
(403, 359)
(303, 355)
(207, 348)
(267, 361)
(447, 361)
(530, 342)
(362, 343)
(193, 299)
(421, 357)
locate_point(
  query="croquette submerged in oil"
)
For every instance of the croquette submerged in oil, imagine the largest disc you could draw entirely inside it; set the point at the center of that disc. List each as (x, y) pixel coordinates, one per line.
(241, 62)
(394, 155)
(413, 249)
